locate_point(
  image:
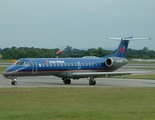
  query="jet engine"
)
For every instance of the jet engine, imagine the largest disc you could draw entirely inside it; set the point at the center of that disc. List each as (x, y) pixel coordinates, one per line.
(115, 62)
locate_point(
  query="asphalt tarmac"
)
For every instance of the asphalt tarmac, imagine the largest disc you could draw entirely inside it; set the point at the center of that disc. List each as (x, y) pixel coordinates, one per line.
(51, 81)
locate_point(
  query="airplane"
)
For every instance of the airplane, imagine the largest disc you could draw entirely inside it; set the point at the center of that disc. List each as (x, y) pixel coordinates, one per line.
(73, 68)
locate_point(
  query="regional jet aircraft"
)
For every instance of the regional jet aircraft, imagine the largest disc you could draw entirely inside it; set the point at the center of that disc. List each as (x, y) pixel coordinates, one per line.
(72, 68)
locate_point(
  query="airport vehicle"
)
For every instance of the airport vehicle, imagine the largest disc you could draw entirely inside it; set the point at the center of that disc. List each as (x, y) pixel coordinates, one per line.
(72, 68)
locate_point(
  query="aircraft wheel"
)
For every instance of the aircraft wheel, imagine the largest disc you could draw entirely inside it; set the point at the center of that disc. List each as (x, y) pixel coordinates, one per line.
(67, 81)
(92, 83)
(14, 82)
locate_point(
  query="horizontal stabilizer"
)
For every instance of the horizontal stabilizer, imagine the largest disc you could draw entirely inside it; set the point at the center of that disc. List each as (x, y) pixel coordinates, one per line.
(128, 38)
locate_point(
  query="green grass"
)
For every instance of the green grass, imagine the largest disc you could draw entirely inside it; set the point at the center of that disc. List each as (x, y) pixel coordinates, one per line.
(3, 60)
(77, 103)
(2, 69)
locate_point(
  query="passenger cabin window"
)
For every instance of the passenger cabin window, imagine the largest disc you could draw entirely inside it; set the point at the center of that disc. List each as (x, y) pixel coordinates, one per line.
(39, 65)
(82, 64)
(46, 64)
(72, 64)
(99, 64)
(89, 64)
(43, 65)
(75, 64)
(86, 64)
(54, 64)
(65, 64)
(95, 64)
(62, 64)
(58, 64)
(92, 64)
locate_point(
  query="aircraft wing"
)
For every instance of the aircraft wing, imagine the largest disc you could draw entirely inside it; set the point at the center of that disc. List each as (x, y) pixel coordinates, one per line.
(107, 74)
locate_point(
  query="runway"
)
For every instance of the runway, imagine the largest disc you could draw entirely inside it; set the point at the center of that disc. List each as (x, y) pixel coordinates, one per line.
(51, 81)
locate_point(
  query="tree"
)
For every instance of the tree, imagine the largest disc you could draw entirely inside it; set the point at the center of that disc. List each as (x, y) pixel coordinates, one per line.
(21, 52)
(31, 54)
(145, 49)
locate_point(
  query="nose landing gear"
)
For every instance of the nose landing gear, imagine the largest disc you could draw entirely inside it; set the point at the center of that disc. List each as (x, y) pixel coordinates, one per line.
(14, 82)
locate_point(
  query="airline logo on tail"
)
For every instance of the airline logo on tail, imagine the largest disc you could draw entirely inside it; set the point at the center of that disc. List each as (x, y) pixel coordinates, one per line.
(122, 50)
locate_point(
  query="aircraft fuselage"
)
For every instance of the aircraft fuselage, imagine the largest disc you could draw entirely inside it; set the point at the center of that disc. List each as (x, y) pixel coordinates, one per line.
(60, 67)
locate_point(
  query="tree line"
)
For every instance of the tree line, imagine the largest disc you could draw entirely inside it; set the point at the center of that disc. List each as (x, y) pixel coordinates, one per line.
(25, 52)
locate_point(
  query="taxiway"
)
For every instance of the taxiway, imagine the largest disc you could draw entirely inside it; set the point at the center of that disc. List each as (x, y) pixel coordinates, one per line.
(51, 81)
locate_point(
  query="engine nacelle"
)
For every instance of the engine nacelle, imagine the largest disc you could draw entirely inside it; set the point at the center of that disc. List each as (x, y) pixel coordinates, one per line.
(115, 62)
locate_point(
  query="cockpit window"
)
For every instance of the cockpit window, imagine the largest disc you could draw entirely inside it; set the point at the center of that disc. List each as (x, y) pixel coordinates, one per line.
(22, 63)
(27, 64)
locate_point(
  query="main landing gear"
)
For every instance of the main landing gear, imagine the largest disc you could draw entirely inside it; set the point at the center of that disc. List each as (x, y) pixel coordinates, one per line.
(66, 80)
(91, 80)
(14, 82)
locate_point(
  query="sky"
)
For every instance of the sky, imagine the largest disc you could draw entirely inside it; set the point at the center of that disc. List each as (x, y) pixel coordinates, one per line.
(81, 24)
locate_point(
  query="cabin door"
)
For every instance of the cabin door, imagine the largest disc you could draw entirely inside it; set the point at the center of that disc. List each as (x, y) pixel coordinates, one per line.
(34, 66)
(79, 64)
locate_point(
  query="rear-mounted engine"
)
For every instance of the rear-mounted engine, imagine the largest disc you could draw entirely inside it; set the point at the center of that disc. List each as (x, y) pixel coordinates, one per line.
(115, 62)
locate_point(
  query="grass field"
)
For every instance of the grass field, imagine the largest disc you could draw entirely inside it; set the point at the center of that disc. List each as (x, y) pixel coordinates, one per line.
(2, 69)
(90, 103)
(84, 103)
(2, 60)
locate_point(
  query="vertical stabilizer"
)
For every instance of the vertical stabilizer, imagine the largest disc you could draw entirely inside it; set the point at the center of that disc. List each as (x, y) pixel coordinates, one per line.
(123, 46)
(122, 49)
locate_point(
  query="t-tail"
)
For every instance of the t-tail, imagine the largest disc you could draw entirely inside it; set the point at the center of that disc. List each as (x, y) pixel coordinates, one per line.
(123, 46)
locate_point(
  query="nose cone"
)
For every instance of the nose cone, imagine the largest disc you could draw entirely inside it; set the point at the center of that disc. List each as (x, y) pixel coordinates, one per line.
(14, 71)
(8, 72)
(5, 74)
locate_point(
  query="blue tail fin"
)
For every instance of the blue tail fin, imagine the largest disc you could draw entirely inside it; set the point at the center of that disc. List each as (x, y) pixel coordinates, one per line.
(122, 49)
(123, 46)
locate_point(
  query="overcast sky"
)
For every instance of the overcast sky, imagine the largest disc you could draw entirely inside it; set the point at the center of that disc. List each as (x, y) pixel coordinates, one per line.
(77, 23)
